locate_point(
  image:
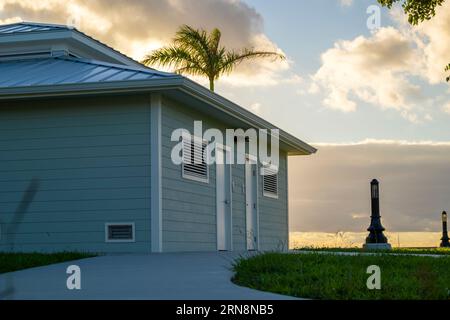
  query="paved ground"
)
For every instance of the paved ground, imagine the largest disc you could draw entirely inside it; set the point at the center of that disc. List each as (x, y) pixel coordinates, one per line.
(175, 276)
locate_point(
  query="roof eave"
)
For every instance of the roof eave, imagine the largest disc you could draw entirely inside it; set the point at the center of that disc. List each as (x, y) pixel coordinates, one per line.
(298, 147)
(295, 145)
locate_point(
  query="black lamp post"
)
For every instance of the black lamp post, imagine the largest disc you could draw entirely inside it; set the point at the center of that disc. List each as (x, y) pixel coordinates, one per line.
(445, 240)
(376, 238)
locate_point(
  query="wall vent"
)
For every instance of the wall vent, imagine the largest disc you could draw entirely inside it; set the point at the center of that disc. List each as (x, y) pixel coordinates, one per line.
(195, 166)
(270, 184)
(119, 232)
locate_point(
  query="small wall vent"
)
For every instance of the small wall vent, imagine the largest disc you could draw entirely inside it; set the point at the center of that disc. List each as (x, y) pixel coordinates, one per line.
(119, 232)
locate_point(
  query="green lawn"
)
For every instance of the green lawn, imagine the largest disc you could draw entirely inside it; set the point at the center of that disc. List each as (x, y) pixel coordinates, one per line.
(323, 276)
(434, 251)
(17, 261)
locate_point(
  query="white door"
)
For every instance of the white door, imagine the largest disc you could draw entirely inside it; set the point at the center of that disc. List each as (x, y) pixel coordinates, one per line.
(251, 193)
(223, 199)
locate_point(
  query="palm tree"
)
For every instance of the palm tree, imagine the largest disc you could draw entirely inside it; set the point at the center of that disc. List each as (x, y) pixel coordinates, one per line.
(196, 52)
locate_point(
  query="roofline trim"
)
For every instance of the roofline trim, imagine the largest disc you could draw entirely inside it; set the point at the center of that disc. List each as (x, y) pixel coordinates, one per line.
(170, 83)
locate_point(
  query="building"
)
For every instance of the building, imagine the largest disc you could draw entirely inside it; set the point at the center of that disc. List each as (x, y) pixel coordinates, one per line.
(95, 126)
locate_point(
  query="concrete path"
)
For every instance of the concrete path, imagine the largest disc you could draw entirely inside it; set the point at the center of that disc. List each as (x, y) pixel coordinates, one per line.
(173, 276)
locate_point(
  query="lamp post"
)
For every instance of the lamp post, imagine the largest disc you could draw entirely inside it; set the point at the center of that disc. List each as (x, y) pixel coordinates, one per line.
(445, 240)
(376, 238)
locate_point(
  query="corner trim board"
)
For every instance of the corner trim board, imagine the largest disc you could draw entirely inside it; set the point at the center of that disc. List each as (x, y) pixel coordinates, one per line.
(156, 172)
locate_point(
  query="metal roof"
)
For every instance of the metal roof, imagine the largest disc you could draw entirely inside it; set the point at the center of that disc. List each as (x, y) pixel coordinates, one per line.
(16, 32)
(66, 75)
(23, 27)
(69, 70)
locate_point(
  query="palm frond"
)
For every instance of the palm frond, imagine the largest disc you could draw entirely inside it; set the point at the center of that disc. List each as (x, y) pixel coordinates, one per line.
(190, 69)
(214, 40)
(168, 57)
(193, 41)
(176, 58)
(233, 58)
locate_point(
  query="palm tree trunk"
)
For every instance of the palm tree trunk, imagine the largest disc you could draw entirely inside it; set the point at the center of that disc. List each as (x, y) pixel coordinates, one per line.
(211, 83)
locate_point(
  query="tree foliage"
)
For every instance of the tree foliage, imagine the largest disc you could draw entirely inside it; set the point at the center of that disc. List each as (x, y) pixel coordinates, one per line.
(447, 68)
(195, 52)
(417, 10)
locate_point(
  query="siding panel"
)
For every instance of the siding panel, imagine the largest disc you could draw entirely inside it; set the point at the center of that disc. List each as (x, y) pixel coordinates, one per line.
(92, 157)
(189, 207)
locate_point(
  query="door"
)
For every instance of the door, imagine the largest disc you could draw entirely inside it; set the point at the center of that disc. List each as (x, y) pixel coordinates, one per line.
(251, 193)
(223, 199)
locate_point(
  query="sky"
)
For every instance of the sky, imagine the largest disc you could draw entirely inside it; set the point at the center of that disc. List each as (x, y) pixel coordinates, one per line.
(373, 100)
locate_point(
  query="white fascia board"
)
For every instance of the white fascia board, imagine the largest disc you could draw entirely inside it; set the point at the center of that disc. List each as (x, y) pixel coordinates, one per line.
(183, 84)
(251, 119)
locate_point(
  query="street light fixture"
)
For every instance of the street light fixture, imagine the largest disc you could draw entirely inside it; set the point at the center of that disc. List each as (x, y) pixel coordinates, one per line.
(445, 240)
(376, 238)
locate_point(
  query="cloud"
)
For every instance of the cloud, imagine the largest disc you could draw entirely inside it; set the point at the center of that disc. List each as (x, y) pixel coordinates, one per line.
(432, 37)
(383, 69)
(330, 190)
(370, 69)
(446, 108)
(136, 27)
(385, 142)
(346, 3)
(255, 108)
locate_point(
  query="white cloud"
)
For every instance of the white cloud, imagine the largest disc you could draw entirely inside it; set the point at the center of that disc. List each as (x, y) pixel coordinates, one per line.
(433, 38)
(446, 108)
(359, 215)
(385, 142)
(346, 3)
(136, 27)
(255, 107)
(369, 69)
(313, 88)
(382, 69)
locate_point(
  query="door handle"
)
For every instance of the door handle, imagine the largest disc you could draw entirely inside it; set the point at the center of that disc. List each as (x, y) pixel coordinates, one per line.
(227, 202)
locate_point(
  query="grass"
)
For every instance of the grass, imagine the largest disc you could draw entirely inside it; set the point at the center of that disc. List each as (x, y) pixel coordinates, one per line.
(339, 277)
(433, 251)
(10, 262)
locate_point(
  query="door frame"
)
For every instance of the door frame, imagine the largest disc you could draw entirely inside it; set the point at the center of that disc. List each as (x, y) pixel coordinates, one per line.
(254, 166)
(228, 235)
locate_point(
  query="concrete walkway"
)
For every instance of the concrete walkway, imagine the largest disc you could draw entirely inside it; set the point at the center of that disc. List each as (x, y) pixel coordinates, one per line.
(172, 276)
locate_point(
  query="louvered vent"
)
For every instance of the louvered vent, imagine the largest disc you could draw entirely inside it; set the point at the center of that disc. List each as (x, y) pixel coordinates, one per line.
(194, 163)
(120, 232)
(270, 184)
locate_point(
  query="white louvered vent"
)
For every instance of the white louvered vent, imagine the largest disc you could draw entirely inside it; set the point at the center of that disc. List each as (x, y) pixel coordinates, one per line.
(194, 162)
(270, 183)
(119, 232)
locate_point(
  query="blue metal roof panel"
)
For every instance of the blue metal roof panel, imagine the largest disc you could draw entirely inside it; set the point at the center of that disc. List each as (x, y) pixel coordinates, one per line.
(65, 70)
(23, 27)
